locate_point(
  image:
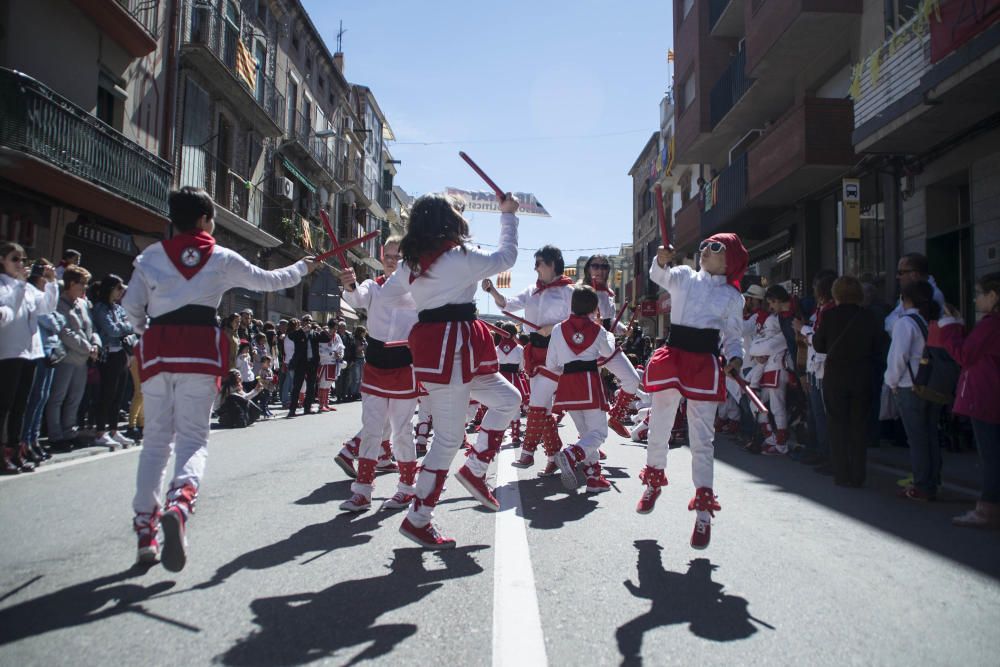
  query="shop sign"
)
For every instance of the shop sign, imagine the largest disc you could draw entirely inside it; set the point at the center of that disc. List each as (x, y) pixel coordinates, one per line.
(647, 308)
(103, 237)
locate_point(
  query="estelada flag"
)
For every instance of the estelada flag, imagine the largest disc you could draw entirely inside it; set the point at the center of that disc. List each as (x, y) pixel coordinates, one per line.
(307, 242)
(503, 280)
(246, 66)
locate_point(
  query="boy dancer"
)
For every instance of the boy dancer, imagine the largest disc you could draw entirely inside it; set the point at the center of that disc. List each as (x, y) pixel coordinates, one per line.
(546, 304)
(769, 350)
(388, 386)
(172, 298)
(511, 357)
(706, 316)
(577, 343)
(331, 352)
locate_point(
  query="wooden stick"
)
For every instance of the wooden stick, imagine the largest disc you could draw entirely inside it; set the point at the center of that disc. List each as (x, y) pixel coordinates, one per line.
(661, 216)
(621, 311)
(339, 251)
(497, 330)
(397, 343)
(522, 321)
(750, 393)
(482, 175)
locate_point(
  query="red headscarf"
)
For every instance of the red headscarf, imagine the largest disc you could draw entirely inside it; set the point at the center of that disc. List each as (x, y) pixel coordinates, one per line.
(737, 257)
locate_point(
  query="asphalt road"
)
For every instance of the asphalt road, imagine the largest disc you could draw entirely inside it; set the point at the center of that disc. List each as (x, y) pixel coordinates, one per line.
(799, 571)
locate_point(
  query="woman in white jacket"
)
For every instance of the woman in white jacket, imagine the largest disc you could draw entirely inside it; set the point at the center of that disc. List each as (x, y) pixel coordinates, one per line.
(20, 345)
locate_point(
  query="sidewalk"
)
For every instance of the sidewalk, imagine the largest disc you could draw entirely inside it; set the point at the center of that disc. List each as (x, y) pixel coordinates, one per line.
(960, 469)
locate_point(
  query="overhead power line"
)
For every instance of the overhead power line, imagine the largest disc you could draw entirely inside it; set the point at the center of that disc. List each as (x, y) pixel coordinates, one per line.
(512, 140)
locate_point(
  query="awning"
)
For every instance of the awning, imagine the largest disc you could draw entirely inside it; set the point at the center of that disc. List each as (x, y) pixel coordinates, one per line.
(293, 170)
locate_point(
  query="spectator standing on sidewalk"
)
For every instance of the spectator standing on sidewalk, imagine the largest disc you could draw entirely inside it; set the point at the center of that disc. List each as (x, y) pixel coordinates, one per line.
(912, 268)
(350, 354)
(920, 417)
(851, 338)
(70, 258)
(819, 447)
(304, 365)
(20, 344)
(287, 354)
(112, 325)
(358, 365)
(53, 352)
(82, 345)
(230, 329)
(978, 353)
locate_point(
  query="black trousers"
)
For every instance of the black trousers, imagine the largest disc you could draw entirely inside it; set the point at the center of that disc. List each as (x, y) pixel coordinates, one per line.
(848, 399)
(17, 374)
(113, 371)
(306, 373)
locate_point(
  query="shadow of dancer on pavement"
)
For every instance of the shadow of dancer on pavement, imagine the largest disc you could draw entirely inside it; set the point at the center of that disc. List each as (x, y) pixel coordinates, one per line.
(691, 598)
(304, 627)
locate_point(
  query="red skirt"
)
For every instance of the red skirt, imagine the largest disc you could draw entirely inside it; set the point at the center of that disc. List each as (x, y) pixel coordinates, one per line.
(433, 346)
(697, 375)
(580, 391)
(328, 373)
(519, 381)
(175, 348)
(397, 383)
(534, 357)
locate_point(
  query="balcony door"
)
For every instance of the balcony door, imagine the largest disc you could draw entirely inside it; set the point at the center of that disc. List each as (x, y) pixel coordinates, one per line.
(223, 155)
(260, 55)
(231, 34)
(293, 99)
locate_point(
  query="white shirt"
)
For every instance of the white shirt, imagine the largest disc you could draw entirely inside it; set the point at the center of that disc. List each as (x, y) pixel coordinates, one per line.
(331, 352)
(897, 312)
(245, 366)
(20, 306)
(390, 315)
(703, 301)
(455, 276)
(907, 347)
(550, 306)
(559, 354)
(770, 342)
(157, 287)
(515, 356)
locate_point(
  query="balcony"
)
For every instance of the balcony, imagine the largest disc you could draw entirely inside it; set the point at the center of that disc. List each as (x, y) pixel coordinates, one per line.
(931, 82)
(725, 18)
(212, 46)
(131, 23)
(687, 226)
(725, 198)
(52, 146)
(805, 38)
(239, 206)
(300, 140)
(730, 88)
(806, 150)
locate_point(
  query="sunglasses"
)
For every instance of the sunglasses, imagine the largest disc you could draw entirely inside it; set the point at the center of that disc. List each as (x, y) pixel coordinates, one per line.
(601, 267)
(712, 246)
(905, 271)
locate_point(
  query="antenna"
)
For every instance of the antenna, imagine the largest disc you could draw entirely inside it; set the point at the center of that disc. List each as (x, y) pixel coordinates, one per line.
(340, 37)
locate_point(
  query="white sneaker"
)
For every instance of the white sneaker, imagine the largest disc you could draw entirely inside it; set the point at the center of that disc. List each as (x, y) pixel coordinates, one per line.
(122, 440)
(106, 441)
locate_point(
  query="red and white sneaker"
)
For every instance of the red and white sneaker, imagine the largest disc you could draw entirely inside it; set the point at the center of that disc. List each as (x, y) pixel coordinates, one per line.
(174, 554)
(524, 461)
(567, 471)
(701, 535)
(601, 455)
(477, 486)
(598, 484)
(146, 527)
(346, 464)
(427, 536)
(648, 500)
(357, 503)
(551, 470)
(773, 450)
(399, 501)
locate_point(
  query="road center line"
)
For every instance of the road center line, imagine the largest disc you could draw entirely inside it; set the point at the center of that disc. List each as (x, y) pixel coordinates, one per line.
(517, 624)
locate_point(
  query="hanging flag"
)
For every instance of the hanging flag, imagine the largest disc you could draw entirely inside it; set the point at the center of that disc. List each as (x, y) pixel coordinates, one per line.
(246, 66)
(478, 201)
(307, 242)
(570, 272)
(503, 280)
(670, 55)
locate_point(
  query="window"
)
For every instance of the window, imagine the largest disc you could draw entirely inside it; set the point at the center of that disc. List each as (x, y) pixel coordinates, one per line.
(686, 93)
(309, 64)
(105, 106)
(898, 12)
(686, 8)
(295, 42)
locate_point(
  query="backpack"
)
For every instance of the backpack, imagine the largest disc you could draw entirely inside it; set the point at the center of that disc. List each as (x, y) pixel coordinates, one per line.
(937, 376)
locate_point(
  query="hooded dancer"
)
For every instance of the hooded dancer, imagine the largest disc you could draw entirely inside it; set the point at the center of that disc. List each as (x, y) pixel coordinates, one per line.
(172, 298)
(706, 317)
(545, 304)
(453, 353)
(388, 386)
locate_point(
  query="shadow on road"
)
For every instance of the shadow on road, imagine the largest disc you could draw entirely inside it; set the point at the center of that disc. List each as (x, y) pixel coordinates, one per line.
(691, 598)
(342, 532)
(330, 492)
(83, 603)
(545, 504)
(304, 627)
(927, 525)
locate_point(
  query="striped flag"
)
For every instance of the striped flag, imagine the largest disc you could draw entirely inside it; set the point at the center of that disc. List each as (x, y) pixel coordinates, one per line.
(307, 242)
(246, 66)
(570, 272)
(670, 55)
(503, 280)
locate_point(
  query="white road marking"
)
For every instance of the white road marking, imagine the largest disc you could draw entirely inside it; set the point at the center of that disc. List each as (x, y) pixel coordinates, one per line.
(517, 624)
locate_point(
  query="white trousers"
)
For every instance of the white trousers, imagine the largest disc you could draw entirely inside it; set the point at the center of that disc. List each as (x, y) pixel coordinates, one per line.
(701, 433)
(178, 414)
(448, 403)
(622, 368)
(592, 425)
(730, 409)
(379, 414)
(775, 399)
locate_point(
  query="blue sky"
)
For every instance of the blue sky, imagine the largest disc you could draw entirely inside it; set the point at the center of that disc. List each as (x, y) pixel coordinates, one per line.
(525, 89)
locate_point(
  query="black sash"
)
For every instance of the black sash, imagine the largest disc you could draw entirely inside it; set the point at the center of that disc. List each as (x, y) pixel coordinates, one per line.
(452, 312)
(580, 366)
(538, 340)
(510, 368)
(691, 339)
(192, 316)
(386, 358)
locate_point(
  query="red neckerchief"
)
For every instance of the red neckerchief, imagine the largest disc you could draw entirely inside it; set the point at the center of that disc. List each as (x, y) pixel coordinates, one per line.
(427, 259)
(761, 316)
(190, 251)
(580, 332)
(819, 313)
(605, 288)
(558, 282)
(507, 345)
(380, 280)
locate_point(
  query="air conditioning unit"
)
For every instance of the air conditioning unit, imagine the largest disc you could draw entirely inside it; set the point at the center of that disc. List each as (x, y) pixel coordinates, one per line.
(286, 188)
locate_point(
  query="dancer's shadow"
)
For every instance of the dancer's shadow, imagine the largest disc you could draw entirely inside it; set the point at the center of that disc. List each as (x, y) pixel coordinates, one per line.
(341, 532)
(300, 628)
(328, 493)
(691, 598)
(83, 603)
(547, 505)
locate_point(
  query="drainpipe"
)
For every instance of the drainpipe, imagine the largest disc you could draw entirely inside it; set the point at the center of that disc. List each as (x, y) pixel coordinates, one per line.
(167, 144)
